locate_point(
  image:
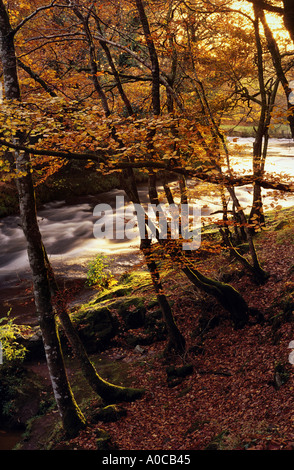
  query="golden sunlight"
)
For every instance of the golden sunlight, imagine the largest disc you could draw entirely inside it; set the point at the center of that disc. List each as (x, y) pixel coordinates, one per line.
(275, 21)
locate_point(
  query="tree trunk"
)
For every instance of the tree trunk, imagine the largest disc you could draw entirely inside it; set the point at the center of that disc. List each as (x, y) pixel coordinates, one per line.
(256, 217)
(114, 70)
(289, 16)
(276, 57)
(260, 274)
(8, 59)
(153, 58)
(72, 418)
(228, 297)
(110, 393)
(176, 339)
(70, 413)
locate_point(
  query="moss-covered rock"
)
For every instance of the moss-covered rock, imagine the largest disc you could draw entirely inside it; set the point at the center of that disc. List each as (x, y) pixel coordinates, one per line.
(96, 327)
(113, 293)
(133, 312)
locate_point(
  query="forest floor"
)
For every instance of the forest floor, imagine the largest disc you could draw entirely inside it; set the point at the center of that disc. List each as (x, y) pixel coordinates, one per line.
(238, 394)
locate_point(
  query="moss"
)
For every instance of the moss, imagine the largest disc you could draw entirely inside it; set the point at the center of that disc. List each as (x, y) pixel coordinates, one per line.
(286, 235)
(137, 280)
(103, 440)
(109, 413)
(109, 294)
(96, 326)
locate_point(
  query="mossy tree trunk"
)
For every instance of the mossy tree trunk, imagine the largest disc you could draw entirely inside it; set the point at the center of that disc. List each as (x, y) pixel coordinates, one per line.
(71, 416)
(110, 393)
(228, 297)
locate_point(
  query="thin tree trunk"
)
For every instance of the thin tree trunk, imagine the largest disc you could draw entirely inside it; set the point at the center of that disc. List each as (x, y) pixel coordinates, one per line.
(37, 78)
(71, 416)
(72, 419)
(153, 58)
(114, 70)
(176, 339)
(93, 62)
(256, 214)
(260, 274)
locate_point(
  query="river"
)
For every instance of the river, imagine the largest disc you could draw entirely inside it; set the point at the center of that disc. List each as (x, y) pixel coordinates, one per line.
(67, 229)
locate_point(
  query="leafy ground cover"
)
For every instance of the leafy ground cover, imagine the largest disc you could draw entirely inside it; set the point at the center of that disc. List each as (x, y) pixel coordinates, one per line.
(240, 392)
(236, 391)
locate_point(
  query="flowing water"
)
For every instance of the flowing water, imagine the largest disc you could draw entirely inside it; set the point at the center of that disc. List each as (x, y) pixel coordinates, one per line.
(67, 232)
(67, 229)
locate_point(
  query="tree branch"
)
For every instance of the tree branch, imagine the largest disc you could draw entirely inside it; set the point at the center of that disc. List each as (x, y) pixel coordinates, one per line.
(37, 78)
(267, 6)
(101, 156)
(29, 17)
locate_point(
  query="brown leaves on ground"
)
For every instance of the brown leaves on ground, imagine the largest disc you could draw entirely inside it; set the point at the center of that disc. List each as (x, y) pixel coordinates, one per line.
(232, 399)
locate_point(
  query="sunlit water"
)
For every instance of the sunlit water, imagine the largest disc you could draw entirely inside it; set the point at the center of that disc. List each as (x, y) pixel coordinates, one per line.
(67, 230)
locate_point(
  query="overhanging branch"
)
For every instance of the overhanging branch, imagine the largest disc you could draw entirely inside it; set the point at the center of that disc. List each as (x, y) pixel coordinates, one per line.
(102, 155)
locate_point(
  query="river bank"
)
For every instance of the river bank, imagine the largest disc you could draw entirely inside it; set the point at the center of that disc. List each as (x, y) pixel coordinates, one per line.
(238, 393)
